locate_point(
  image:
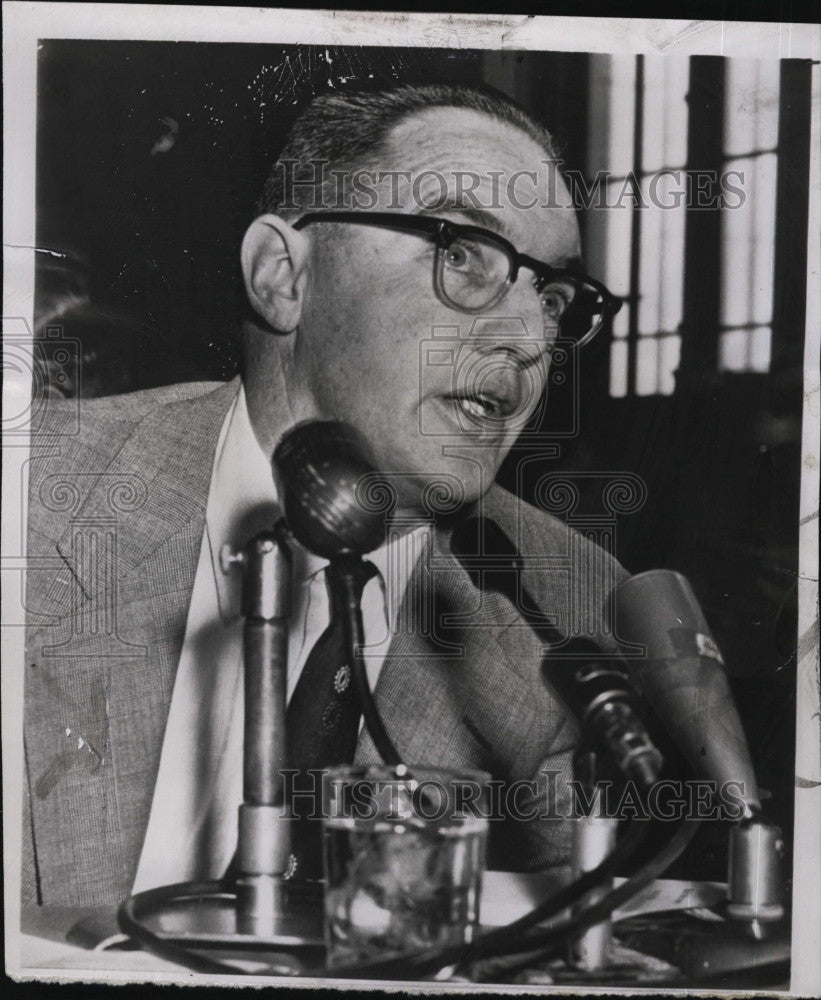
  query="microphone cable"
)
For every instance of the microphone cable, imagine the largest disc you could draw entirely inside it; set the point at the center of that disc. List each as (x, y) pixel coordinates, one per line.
(504, 940)
(340, 579)
(135, 910)
(544, 944)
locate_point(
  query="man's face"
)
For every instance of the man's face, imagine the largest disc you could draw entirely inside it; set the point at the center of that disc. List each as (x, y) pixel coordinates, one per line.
(438, 393)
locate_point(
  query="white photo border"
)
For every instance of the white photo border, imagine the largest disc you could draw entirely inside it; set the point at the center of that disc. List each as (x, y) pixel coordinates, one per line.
(26, 23)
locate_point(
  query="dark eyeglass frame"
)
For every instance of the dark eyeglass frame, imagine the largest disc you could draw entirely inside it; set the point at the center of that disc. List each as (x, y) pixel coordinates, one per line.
(444, 233)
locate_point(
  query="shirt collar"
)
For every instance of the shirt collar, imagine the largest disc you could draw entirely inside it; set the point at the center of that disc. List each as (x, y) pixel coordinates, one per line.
(242, 501)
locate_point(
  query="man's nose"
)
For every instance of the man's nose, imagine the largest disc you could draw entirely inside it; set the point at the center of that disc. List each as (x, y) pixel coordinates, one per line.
(501, 361)
(507, 336)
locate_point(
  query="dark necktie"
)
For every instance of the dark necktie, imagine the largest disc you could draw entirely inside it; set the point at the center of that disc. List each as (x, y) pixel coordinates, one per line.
(322, 725)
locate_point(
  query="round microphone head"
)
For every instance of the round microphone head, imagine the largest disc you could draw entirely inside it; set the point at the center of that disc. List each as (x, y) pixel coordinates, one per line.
(334, 499)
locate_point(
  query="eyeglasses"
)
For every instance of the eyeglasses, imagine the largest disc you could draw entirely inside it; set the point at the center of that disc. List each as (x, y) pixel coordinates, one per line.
(474, 268)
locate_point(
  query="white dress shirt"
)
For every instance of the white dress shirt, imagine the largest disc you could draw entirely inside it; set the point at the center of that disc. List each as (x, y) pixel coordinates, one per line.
(192, 828)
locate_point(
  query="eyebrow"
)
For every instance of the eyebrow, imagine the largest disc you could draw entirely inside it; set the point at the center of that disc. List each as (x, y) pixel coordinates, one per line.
(478, 216)
(481, 217)
(575, 263)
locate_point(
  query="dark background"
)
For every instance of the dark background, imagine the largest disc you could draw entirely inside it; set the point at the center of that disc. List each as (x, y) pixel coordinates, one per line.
(149, 285)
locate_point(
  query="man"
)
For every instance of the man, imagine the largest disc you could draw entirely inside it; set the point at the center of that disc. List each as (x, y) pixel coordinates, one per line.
(430, 331)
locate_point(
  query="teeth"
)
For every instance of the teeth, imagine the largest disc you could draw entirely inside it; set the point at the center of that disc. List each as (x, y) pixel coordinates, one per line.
(475, 406)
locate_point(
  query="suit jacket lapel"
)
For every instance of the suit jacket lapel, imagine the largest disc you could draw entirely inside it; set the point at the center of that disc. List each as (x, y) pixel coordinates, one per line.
(469, 691)
(449, 693)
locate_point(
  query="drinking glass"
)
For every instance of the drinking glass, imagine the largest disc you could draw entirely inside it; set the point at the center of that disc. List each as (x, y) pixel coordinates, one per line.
(404, 858)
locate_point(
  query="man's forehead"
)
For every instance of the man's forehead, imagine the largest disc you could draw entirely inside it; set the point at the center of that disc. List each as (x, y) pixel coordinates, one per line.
(490, 171)
(456, 136)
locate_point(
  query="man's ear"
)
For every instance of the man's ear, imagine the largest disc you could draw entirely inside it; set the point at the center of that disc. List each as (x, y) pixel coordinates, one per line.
(275, 267)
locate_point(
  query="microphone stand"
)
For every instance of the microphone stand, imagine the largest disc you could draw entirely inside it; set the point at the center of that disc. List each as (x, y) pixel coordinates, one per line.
(251, 910)
(594, 839)
(263, 842)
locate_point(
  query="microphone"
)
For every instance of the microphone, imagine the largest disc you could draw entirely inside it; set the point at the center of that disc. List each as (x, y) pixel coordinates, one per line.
(682, 677)
(318, 466)
(320, 469)
(597, 692)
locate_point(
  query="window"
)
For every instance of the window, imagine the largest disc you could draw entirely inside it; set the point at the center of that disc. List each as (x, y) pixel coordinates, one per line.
(748, 232)
(646, 160)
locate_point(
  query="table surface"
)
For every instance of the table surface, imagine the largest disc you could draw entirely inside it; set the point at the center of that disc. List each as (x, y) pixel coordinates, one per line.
(44, 950)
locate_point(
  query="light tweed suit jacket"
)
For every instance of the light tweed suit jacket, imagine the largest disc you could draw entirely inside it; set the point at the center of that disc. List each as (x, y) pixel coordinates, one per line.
(117, 501)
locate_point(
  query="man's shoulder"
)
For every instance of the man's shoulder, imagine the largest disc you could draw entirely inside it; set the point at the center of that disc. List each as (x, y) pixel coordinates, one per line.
(566, 573)
(74, 441)
(107, 417)
(525, 524)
